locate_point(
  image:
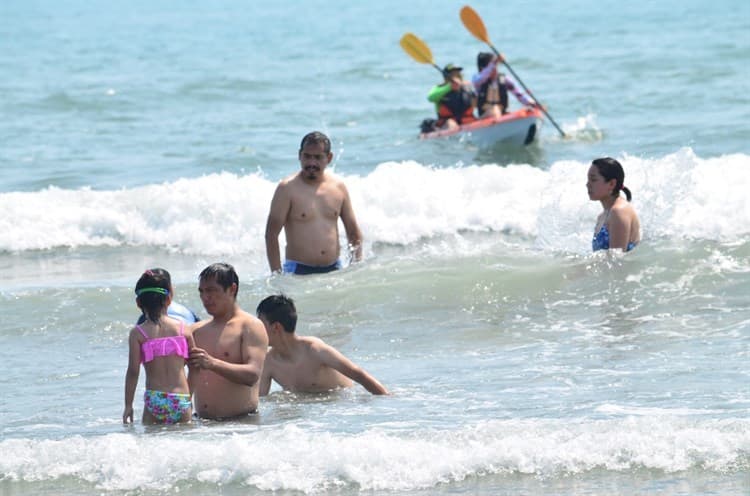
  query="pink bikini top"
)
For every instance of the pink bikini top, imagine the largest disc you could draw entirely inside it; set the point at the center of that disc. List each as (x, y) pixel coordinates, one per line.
(159, 347)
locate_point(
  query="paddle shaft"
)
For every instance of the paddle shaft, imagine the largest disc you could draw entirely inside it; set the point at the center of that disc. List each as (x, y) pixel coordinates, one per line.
(506, 64)
(418, 50)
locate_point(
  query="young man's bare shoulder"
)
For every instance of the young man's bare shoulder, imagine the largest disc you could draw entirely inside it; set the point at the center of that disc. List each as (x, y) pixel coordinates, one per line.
(313, 344)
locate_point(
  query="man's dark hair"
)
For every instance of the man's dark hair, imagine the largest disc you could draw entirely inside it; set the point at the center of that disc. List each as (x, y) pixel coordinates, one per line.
(279, 308)
(314, 138)
(223, 273)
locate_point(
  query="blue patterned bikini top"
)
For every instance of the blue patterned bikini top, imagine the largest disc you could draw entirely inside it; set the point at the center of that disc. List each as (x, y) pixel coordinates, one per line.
(601, 240)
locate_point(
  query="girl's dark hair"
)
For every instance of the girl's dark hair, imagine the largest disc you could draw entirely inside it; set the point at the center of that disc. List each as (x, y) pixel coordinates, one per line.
(279, 308)
(483, 58)
(224, 275)
(610, 169)
(151, 293)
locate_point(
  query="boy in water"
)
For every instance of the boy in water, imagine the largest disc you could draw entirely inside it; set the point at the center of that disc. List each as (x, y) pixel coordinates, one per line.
(304, 363)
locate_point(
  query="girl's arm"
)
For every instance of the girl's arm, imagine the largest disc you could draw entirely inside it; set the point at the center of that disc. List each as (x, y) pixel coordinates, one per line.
(131, 376)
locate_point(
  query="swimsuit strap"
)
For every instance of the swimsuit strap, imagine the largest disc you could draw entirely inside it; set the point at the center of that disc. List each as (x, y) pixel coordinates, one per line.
(606, 218)
(137, 326)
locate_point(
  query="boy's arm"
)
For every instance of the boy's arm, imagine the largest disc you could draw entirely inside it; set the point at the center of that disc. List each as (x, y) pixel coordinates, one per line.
(265, 378)
(336, 360)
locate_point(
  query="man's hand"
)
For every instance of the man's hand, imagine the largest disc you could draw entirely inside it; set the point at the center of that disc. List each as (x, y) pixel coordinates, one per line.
(200, 359)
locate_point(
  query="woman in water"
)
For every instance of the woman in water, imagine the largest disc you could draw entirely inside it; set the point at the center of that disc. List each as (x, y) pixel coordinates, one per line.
(618, 225)
(162, 345)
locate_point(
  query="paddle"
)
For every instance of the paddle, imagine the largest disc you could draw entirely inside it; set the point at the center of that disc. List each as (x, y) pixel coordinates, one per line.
(475, 25)
(418, 50)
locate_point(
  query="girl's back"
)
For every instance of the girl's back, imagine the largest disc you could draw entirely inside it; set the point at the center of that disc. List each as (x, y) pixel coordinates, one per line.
(164, 349)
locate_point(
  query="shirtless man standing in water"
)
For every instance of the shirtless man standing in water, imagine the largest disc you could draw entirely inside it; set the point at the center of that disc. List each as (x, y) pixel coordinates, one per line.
(307, 206)
(227, 361)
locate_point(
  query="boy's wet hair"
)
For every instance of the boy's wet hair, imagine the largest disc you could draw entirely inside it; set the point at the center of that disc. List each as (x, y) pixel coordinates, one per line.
(315, 138)
(152, 292)
(279, 308)
(224, 275)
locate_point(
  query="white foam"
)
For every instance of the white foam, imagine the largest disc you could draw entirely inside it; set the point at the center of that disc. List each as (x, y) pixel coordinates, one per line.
(291, 458)
(677, 196)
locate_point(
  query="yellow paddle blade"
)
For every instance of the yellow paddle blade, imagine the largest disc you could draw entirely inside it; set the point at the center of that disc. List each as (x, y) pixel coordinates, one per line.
(416, 48)
(474, 24)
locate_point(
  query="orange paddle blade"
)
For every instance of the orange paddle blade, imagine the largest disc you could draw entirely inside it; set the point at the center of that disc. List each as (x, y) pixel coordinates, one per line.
(416, 48)
(474, 24)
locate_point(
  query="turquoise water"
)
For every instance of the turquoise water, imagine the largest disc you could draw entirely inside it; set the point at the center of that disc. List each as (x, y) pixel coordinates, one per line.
(139, 135)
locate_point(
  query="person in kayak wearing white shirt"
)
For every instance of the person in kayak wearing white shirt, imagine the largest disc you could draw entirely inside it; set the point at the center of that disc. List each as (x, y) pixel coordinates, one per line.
(492, 87)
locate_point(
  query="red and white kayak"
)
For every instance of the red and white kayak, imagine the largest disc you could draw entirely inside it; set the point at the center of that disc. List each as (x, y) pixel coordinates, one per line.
(517, 128)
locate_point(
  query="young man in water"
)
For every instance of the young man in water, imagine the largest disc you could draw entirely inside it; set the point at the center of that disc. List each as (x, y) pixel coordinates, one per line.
(226, 364)
(304, 363)
(308, 206)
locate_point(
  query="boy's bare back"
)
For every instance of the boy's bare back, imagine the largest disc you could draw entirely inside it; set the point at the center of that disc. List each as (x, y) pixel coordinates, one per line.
(306, 369)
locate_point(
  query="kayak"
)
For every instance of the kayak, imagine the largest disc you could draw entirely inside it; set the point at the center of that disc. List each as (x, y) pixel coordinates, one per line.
(517, 128)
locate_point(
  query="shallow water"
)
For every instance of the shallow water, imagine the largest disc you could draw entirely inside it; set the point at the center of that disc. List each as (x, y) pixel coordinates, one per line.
(520, 362)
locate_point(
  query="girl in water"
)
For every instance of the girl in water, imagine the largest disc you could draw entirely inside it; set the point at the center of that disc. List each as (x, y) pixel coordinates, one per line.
(162, 345)
(618, 225)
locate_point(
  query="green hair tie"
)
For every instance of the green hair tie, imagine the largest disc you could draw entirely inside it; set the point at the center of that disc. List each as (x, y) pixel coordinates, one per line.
(162, 291)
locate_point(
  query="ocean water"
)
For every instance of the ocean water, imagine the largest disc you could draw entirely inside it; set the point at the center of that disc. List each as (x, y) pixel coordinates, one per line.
(145, 134)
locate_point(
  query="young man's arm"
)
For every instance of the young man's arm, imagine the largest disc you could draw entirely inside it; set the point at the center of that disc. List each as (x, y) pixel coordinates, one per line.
(336, 360)
(280, 205)
(265, 379)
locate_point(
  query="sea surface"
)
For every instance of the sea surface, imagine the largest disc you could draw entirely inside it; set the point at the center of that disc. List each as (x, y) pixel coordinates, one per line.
(152, 134)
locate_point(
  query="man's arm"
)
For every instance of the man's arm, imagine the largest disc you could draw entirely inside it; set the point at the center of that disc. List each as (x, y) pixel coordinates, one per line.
(280, 205)
(335, 359)
(353, 234)
(191, 377)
